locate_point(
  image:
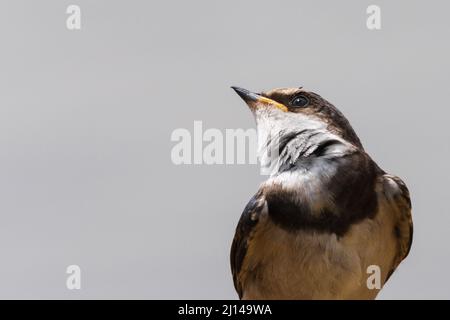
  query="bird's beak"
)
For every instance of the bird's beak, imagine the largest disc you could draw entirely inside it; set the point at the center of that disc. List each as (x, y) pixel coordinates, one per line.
(255, 100)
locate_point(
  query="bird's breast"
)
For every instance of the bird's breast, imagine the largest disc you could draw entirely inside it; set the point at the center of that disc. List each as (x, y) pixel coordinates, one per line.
(311, 264)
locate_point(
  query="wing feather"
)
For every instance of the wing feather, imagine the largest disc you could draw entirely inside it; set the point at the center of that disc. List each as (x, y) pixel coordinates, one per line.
(398, 193)
(247, 222)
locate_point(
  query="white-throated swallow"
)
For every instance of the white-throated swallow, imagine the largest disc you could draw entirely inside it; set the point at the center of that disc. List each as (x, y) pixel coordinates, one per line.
(325, 214)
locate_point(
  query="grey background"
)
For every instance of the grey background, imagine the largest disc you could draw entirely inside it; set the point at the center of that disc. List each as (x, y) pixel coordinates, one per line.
(86, 117)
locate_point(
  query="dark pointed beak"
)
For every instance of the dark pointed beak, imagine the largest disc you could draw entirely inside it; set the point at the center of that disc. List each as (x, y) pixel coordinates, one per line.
(246, 95)
(256, 100)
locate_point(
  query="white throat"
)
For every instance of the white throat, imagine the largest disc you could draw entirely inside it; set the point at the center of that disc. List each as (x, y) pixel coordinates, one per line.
(297, 136)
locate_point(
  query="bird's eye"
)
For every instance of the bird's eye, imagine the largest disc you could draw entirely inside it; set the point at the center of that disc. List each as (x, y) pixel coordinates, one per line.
(299, 101)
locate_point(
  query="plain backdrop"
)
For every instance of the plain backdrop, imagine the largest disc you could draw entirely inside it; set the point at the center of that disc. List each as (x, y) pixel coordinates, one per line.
(86, 116)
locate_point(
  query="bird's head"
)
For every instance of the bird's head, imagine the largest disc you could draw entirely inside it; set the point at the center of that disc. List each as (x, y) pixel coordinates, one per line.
(298, 124)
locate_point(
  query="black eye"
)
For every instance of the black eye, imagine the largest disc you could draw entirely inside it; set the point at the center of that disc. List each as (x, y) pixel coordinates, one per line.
(299, 101)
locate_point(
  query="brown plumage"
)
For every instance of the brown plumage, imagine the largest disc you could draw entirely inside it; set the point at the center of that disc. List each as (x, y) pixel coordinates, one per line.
(325, 214)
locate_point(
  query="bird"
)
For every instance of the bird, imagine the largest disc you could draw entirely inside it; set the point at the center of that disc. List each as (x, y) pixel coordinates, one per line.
(326, 213)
